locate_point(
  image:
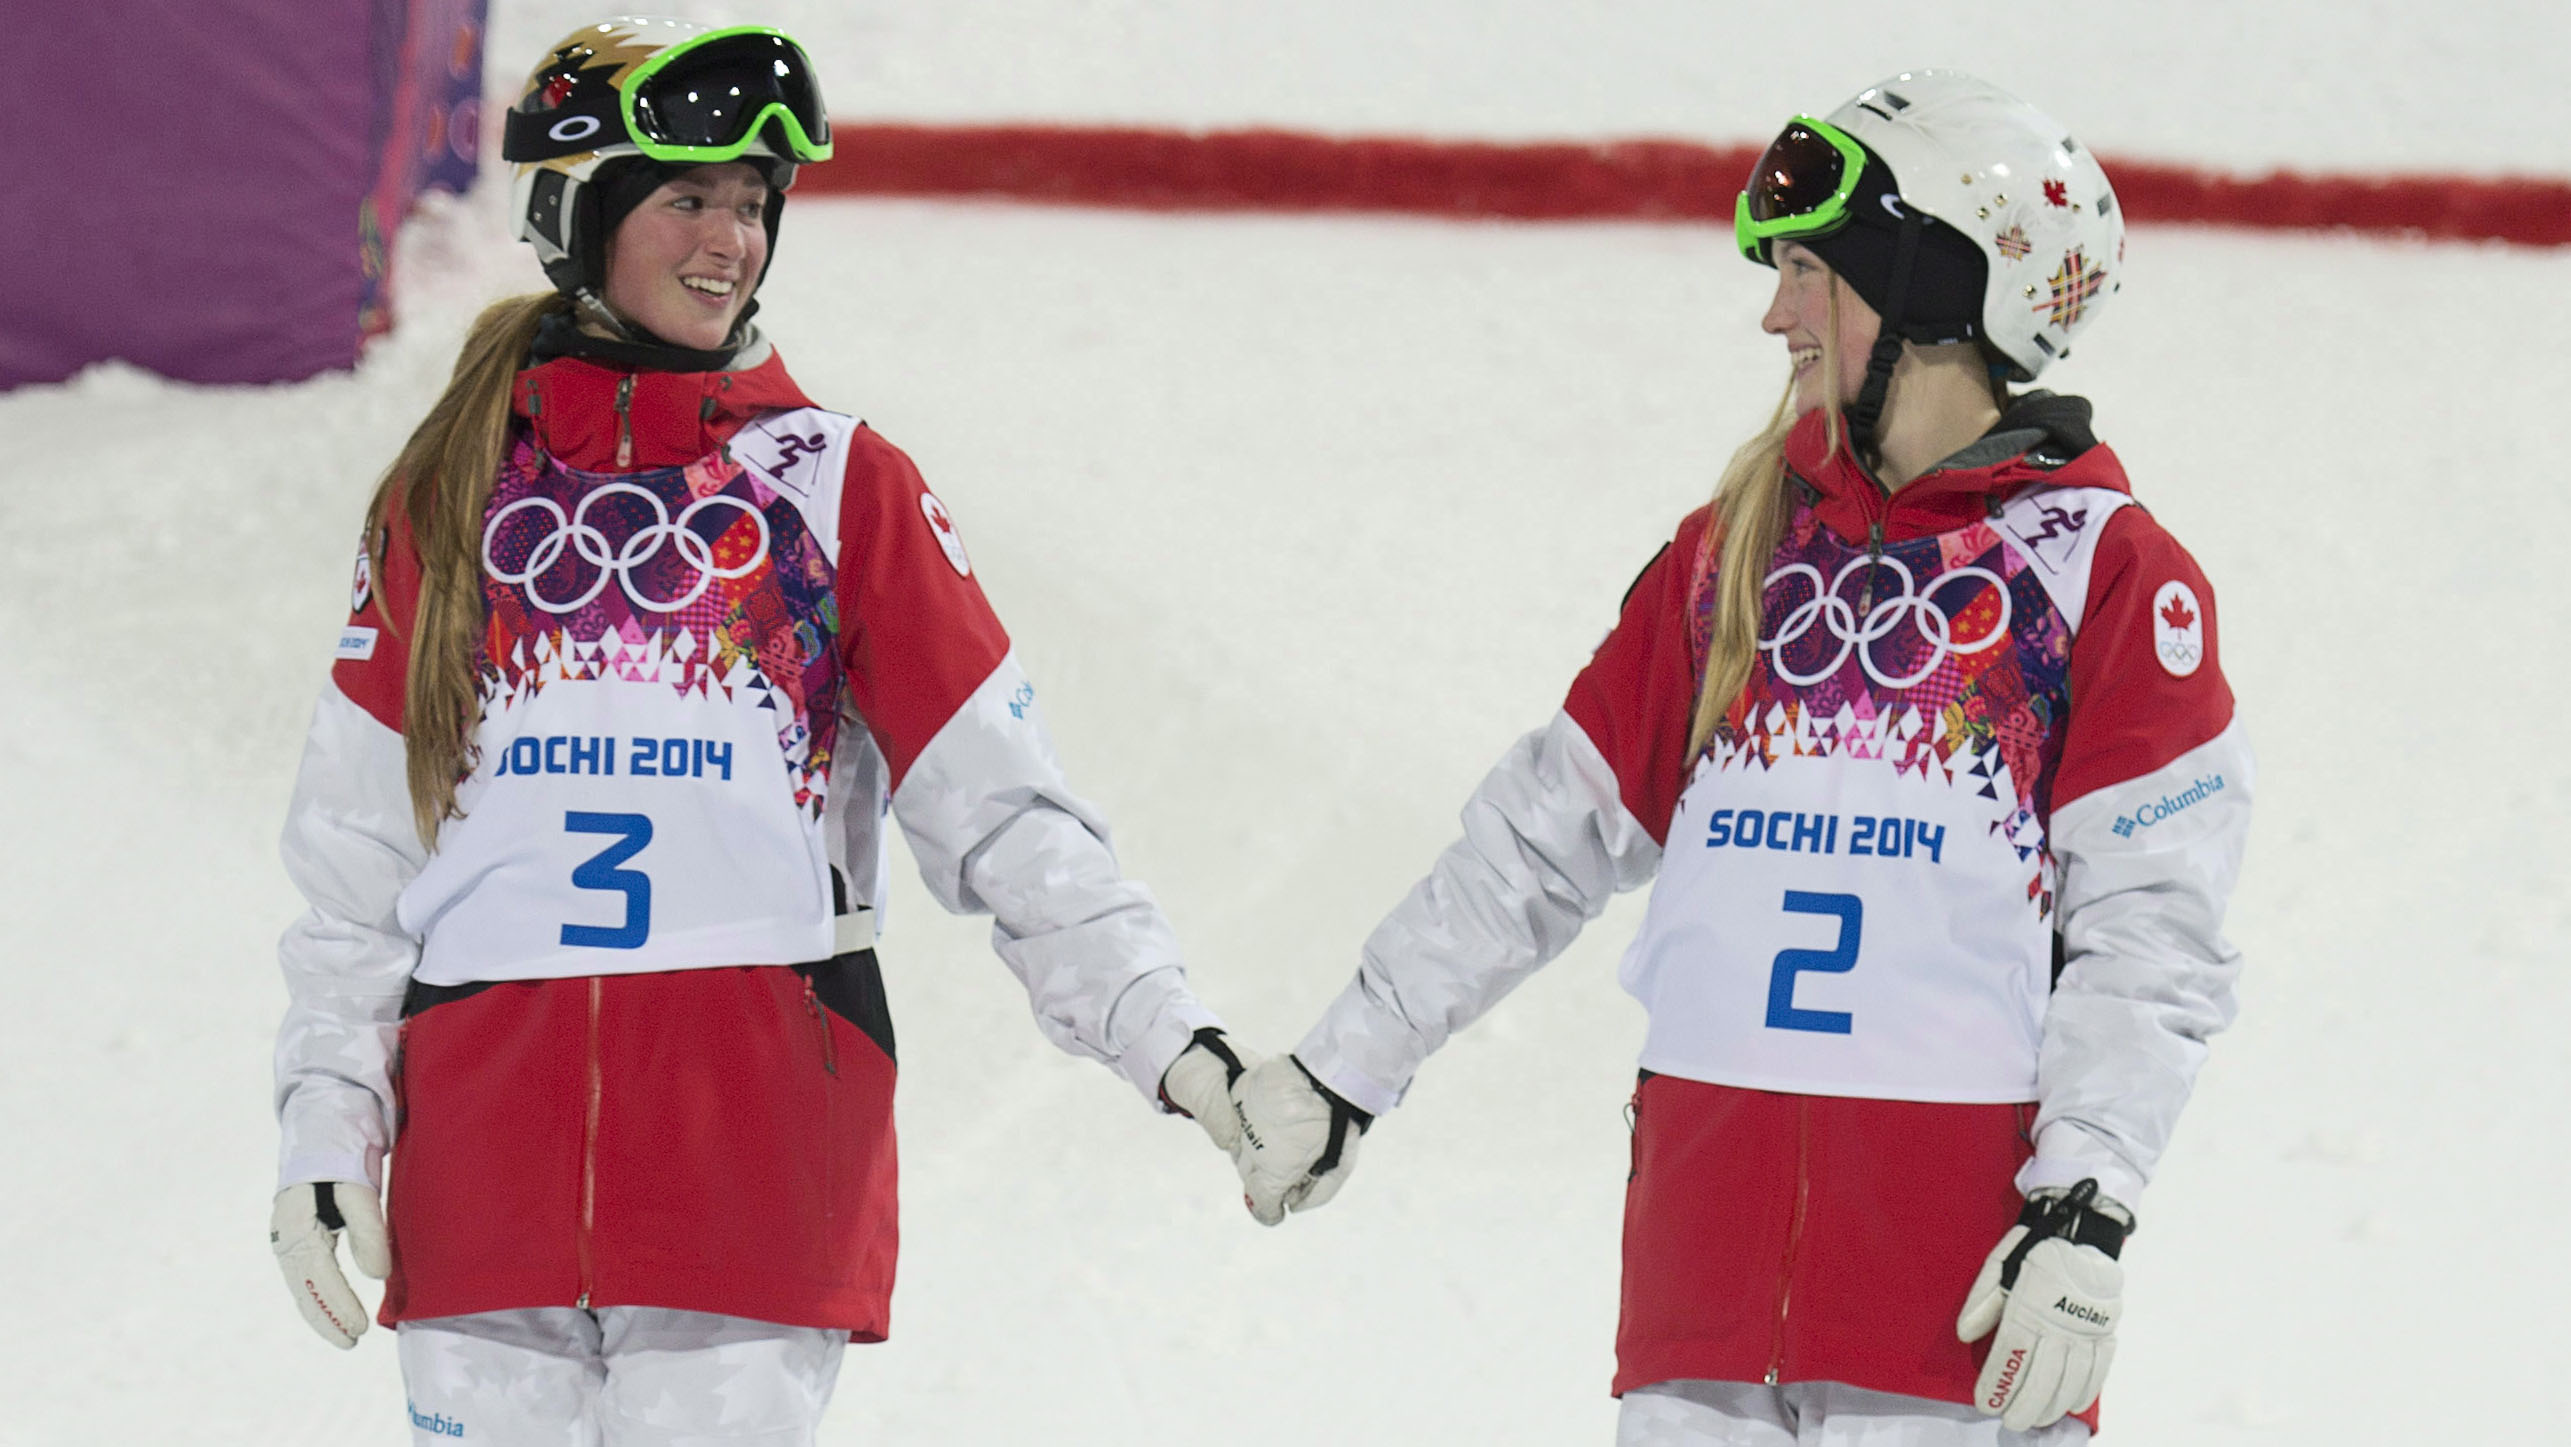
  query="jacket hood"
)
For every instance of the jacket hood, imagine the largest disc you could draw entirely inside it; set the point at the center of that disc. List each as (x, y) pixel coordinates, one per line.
(2043, 439)
(600, 417)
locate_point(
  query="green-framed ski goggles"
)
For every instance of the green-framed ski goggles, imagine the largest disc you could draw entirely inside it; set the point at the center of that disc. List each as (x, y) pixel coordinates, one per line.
(708, 98)
(1799, 188)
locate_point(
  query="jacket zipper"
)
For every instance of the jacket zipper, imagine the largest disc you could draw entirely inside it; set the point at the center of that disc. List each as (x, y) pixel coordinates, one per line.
(1794, 1233)
(1874, 565)
(821, 1027)
(625, 421)
(589, 1147)
(829, 1134)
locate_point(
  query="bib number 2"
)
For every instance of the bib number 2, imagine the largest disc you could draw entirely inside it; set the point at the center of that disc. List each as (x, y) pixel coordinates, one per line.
(601, 872)
(1837, 960)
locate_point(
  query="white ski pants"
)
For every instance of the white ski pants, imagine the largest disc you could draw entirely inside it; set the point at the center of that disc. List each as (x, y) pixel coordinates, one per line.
(624, 1376)
(1813, 1414)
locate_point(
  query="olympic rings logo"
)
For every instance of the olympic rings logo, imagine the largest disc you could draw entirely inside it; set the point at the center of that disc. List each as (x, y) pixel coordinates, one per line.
(575, 533)
(1826, 609)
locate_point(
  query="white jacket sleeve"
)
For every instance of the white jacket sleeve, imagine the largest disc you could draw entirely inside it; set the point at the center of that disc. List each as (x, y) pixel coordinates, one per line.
(1547, 842)
(996, 830)
(2147, 868)
(350, 846)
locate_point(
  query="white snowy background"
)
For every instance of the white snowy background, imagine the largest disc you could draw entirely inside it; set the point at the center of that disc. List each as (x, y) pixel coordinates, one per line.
(1298, 522)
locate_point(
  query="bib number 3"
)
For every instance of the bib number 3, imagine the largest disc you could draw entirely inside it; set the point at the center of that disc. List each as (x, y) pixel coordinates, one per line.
(1837, 960)
(601, 872)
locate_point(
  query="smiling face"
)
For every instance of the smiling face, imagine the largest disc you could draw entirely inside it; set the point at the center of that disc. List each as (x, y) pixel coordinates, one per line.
(1803, 312)
(682, 264)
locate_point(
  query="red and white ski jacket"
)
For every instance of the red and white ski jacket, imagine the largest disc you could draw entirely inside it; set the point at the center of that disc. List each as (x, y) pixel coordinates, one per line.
(730, 634)
(1965, 843)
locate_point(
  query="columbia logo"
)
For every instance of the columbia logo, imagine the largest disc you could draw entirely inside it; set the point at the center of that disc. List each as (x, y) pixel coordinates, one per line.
(2168, 806)
(434, 1424)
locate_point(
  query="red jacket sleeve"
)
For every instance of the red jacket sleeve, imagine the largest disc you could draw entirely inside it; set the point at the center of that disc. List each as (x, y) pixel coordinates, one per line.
(375, 650)
(2149, 818)
(1637, 696)
(2146, 666)
(915, 633)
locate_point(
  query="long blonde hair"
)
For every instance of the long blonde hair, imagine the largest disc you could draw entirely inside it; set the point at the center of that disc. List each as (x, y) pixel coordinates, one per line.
(440, 485)
(1751, 505)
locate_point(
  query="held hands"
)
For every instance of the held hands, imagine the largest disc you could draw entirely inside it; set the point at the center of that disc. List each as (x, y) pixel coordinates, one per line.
(303, 1229)
(2053, 1289)
(1290, 1137)
(1298, 1139)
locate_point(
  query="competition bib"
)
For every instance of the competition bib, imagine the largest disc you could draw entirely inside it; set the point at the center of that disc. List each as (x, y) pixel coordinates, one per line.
(1869, 935)
(660, 694)
(1855, 897)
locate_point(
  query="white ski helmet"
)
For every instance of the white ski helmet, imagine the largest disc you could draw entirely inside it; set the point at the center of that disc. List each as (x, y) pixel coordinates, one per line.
(2000, 173)
(616, 106)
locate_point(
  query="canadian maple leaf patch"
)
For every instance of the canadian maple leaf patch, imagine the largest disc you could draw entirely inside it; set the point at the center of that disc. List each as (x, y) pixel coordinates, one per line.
(2177, 634)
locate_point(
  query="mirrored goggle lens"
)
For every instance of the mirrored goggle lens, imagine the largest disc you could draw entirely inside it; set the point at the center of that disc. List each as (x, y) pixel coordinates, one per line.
(712, 97)
(1799, 174)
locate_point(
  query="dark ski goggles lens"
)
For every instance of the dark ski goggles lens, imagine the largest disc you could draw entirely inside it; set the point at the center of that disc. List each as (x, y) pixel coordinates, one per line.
(714, 94)
(1797, 176)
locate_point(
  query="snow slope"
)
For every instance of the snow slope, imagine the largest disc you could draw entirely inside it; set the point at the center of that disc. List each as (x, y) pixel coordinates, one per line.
(1298, 522)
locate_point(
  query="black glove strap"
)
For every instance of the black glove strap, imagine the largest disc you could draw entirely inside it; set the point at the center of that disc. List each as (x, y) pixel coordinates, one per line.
(325, 1206)
(1215, 1045)
(1221, 1049)
(1342, 1116)
(2070, 1216)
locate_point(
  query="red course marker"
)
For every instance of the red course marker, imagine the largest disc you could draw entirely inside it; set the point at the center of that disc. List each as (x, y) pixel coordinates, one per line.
(1654, 180)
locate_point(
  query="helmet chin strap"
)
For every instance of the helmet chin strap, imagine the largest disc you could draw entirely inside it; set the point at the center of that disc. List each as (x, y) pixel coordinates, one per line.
(593, 309)
(1865, 415)
(618, 337)
(572, 279)
(595, 329)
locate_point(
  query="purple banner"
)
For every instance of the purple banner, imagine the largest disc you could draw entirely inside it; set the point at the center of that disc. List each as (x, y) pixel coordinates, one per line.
(428, 125)
(227, 160)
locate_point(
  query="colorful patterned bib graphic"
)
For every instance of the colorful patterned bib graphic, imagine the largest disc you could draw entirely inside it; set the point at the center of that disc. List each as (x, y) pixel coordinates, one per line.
(1942, 657)
(701, 577)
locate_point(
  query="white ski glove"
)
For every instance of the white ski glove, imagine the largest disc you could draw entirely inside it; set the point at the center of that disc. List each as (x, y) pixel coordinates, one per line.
(1198, 1085)
(304, 1230)
(1298, 1139)
(2053, 1289)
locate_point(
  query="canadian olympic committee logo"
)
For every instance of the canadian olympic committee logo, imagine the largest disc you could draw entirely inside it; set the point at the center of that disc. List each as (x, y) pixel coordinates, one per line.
(619, 561)
(2177, 628)
(942, 524)
(1914, 609)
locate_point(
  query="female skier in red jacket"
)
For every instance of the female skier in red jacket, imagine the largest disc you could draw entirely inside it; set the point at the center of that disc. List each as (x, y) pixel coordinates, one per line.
(645, 652)
(1919, 733)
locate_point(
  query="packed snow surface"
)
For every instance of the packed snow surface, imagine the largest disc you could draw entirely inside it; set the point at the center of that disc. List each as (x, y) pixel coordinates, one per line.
(1298, 522)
